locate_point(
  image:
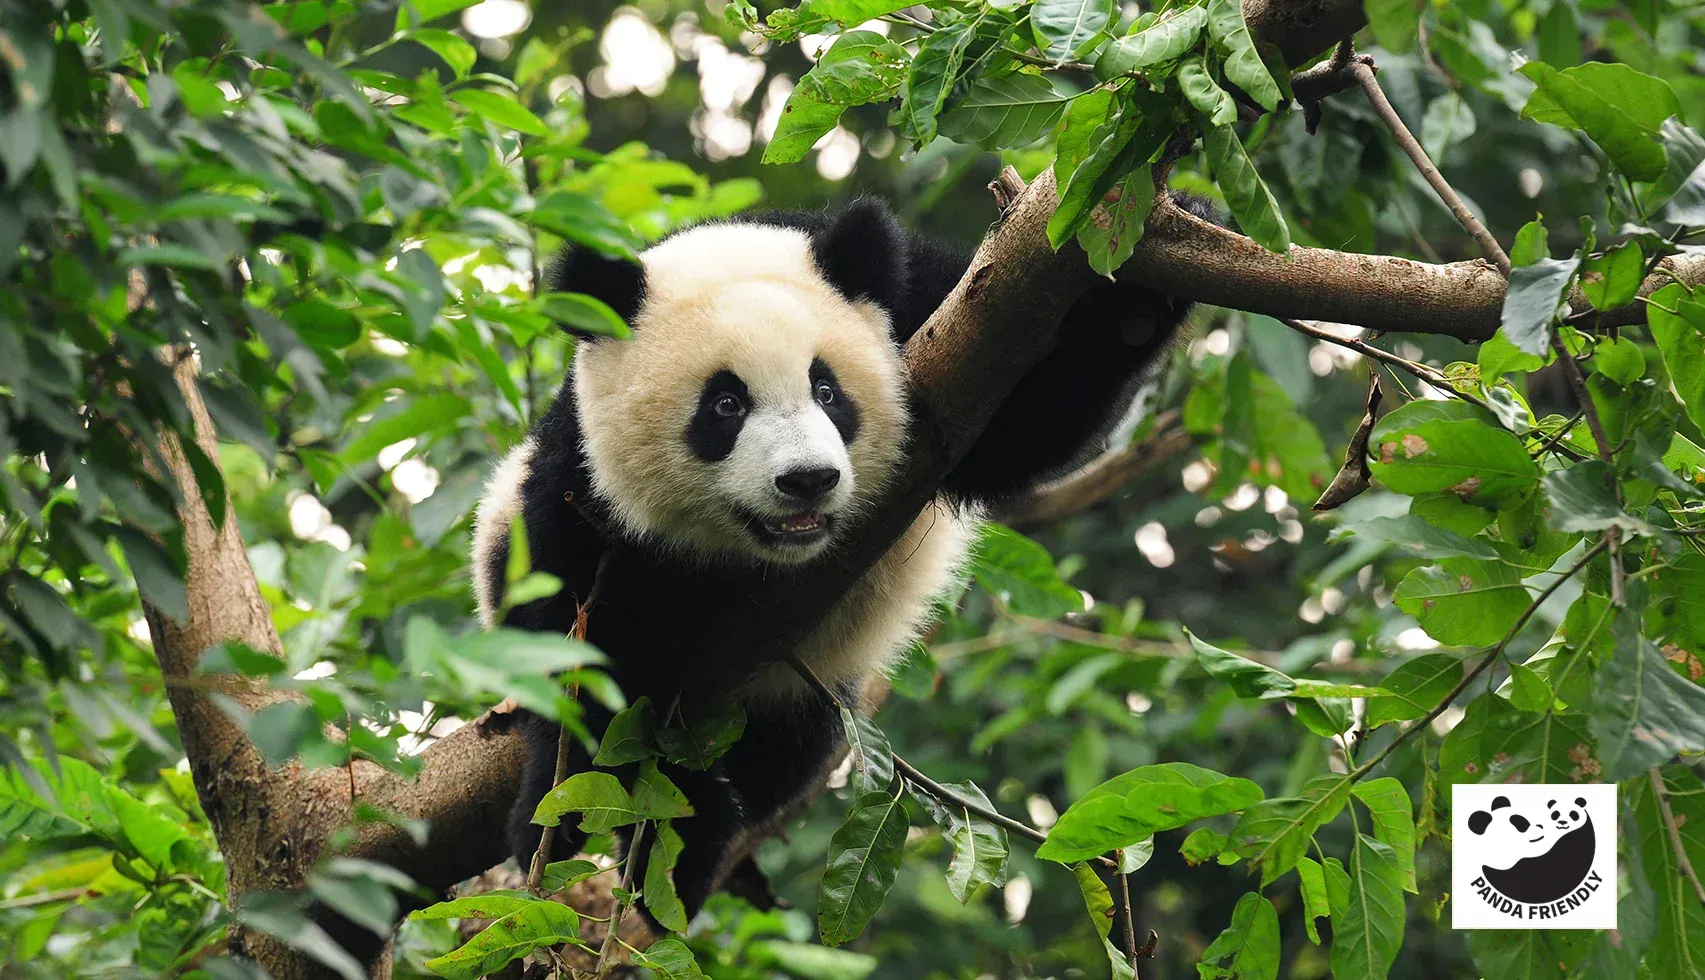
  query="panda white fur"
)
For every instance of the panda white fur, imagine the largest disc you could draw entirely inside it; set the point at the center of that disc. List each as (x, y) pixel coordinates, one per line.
(759, 406)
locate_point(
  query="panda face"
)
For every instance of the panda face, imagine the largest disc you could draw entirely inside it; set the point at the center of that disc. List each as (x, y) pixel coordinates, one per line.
(1513, 835)
(1566, 816)
(755, 409)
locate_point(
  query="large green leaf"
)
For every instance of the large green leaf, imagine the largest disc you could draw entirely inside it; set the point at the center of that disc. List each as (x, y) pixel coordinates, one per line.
(1167, 39)
(1311, 878)
(1676, 320)
(1066, 29)
(1007, 112)
(1536, 291)
(661, 898)
(1416, 687)
(1248, 196)
(1643, 711)
(860, 67)
(980, 848)
(536, 923)
(632, 736)
(1393, 821)
(929, 80)
(864, 860)
(1274, 833)
(599, 796)
(1425, 447)
(500, 108)
(1021, 573)
(872, 759)
(1243, 65)
(1111, 234)
(1648, 100)
(1248, 949)
(1200, 89)
(1464, 601)
(1395, 23)
(1367, 931)
(1608, 113)
(1141, 803)
(1419, 537)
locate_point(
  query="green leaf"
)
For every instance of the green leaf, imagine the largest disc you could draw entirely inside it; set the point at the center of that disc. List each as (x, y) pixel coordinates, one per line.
(172, 256)
(631, 737)
(1395, 23)
(1464, 601)
(705, 738)
(453, 48)
(1243, 65)
(1607, 112)
(1649, 101)
(563, 875)
(1676, 320)
(1007, 112)
(1613, 279)
(413, 418)
(1678, 948)
(980, 848)
(661, 898)
(872, 759)
(670, 959)
(1092, 177)
(1419, 537)
(655, 796)
(929, 80)
(1247, 195)
(1247, 678)
(1530, 306)
(1582, 499)
(1393, 821)
(486, 905)
(1113, 230)
(1421, 448)
(279, 917)
(501, 109)
(1368, 933)
(860, 67)
(1315, 904)
(864, 861)
(1167, 39)
(1213, 102)
(1416, 687)
(1273, 834)
(812, 960)
(1066, 29)
(1248, 949)
(1138, 804)
(1447, 122)
(1643, 712)
(535, 924)
(1021, 573)
(1532, 244)
(1528, 690)
(599, 796)
(582, 312)
(1619, 359)
(1499, 357)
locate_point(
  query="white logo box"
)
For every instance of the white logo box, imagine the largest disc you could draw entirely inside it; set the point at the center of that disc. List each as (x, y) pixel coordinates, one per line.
(1533, 856)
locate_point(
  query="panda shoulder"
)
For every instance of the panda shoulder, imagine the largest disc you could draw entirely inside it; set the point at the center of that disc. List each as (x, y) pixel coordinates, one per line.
(502, 501)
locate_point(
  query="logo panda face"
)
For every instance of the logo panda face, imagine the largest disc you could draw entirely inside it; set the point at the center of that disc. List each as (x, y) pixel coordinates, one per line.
(1513, 835)
(1568, 816)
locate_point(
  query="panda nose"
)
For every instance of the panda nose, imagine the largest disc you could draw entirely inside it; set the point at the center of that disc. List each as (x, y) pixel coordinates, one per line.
(1520, 823)
(808, 484)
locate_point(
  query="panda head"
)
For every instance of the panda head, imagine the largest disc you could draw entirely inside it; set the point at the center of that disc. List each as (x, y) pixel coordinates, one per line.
(1511, 835)
(759, 403)
(1566, 816)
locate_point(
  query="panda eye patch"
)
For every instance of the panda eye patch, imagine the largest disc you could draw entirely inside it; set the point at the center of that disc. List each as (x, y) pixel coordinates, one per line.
(827, 392)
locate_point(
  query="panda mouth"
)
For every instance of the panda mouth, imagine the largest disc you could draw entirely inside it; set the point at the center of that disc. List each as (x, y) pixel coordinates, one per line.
(789, 530)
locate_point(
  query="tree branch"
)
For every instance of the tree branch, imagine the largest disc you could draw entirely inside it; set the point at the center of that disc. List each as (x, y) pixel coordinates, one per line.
(1098, 479)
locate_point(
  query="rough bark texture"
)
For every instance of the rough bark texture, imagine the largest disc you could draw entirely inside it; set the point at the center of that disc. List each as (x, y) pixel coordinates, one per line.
(1187, 256)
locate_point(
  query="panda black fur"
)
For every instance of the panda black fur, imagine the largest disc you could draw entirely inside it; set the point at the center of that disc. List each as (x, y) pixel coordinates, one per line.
(757, 408)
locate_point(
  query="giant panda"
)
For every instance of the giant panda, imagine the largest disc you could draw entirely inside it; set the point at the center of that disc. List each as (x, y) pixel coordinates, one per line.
(758, 407)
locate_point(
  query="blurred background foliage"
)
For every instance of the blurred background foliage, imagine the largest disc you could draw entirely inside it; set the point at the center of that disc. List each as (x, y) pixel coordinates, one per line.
(384, 345)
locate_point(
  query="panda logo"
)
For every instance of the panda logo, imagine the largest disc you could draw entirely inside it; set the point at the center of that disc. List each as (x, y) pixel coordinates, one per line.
(1536, 857)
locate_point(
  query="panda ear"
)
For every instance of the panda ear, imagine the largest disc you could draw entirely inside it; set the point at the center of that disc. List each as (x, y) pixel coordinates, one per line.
(618, 282)
(1500, 802)
(1479, 820)
(862, 253)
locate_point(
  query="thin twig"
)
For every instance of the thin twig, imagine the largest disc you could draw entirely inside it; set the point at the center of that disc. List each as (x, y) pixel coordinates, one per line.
(1130, 923)
(916, 776)
(623, 901)
(1430, 375)
(1478, 668)
(564, 740)
(1405, 139)
(1674, 829)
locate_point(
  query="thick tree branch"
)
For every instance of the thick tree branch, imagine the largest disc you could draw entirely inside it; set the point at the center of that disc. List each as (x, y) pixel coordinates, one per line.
(1189, 257)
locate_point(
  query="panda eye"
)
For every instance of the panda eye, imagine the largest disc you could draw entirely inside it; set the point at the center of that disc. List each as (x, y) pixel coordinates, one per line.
(825, 393)
(727, 406)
